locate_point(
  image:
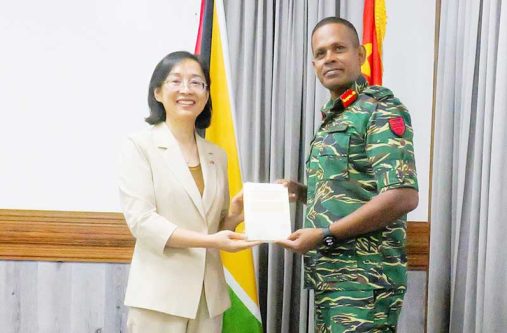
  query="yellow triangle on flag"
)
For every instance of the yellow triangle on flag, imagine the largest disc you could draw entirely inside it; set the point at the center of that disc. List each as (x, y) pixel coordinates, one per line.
(239, 266)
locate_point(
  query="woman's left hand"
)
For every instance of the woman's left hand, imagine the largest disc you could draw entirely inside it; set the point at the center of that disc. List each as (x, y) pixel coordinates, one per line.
(235, 214)
(236, 208)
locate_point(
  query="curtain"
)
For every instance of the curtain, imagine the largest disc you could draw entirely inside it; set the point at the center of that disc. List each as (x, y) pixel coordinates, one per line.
(277, 101)
(469, 198)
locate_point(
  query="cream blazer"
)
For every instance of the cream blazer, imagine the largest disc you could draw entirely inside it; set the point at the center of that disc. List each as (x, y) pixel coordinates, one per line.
(158, 195)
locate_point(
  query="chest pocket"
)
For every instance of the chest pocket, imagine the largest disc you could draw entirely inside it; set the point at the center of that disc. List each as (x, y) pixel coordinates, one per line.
(334, 153)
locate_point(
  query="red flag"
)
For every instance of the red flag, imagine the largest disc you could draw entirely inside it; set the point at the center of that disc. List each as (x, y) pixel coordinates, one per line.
(374, 26)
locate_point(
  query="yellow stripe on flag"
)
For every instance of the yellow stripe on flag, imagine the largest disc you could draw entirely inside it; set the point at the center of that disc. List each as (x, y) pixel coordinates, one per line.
(380, 23)
(222, 133)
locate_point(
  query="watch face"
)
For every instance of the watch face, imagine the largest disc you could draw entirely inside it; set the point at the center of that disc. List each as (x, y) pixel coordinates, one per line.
(329, 241)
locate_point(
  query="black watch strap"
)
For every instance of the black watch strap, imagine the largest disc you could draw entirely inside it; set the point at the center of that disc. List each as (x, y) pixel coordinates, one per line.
(326, 232)
(328, 239)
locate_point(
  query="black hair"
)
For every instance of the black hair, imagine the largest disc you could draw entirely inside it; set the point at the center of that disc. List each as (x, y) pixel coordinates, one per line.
(338, 20)
(163, 68)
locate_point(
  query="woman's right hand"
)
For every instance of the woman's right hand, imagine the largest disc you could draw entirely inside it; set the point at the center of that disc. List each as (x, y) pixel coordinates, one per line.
(231, 241)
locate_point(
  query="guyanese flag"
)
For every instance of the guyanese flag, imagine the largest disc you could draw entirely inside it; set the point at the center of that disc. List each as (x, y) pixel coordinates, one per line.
(244, 315)
(374, 29)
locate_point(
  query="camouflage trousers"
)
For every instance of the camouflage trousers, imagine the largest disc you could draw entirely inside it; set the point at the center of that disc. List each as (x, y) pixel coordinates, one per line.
(357, 310)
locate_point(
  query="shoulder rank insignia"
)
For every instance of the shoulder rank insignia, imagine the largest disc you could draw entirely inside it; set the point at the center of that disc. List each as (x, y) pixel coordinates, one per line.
(345, 99)
(397, 126)
(348, 97)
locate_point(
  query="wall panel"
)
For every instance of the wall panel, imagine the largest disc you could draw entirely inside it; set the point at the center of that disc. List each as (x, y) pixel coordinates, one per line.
(104, 237)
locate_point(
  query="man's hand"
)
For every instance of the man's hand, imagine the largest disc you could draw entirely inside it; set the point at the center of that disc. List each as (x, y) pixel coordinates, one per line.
(302, 240)
(297, 191)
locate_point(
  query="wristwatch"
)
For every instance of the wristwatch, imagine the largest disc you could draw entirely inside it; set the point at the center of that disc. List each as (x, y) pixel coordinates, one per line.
(328, 239)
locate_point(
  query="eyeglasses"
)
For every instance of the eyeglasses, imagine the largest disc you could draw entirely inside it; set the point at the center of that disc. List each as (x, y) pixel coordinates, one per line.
(194, 85)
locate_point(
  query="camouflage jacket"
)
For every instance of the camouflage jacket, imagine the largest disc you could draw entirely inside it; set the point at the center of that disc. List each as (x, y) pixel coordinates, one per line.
(359, 151)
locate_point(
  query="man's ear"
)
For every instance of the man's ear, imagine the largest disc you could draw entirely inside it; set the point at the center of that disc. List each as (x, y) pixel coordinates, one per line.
(362, 54)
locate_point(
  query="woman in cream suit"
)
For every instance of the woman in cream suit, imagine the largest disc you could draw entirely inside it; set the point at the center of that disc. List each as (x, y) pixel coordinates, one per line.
(174, 195)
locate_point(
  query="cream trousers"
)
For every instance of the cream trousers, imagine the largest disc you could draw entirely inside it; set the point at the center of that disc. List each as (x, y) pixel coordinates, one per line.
(148, 321)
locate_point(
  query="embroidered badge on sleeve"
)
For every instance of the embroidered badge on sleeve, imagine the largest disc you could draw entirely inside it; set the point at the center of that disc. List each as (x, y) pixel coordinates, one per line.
(397, 126)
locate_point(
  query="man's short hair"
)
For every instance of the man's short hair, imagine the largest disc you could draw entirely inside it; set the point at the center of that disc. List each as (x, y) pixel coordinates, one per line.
(338, 20)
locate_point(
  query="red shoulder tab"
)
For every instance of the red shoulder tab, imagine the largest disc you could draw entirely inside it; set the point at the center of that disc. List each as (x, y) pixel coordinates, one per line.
(348, 97)
(397, 126)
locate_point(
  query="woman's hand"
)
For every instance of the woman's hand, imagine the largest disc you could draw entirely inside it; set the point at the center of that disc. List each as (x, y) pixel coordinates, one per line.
(236, 208)
(231, 241)
(224, 240)
(235, 215)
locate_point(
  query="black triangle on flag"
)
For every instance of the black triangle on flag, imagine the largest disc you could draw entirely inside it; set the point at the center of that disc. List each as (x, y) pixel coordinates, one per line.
(203, 42)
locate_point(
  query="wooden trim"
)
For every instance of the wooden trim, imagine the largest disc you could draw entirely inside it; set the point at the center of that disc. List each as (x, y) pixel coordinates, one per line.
(418, 242)
(104, 237)
(64, 236)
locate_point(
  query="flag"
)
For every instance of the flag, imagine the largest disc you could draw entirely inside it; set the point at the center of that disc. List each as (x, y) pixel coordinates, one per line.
(374, 29)
(244, 315)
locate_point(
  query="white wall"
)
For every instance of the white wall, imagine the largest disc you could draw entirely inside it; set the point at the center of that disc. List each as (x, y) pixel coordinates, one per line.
(408, 61)
(73, 83)
(74, 78)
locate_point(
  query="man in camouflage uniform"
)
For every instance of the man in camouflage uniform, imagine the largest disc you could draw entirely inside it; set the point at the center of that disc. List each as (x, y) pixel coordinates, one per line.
(361, 183)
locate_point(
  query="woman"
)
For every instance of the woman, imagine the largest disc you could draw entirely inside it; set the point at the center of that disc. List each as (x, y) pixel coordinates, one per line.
(174, 195)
